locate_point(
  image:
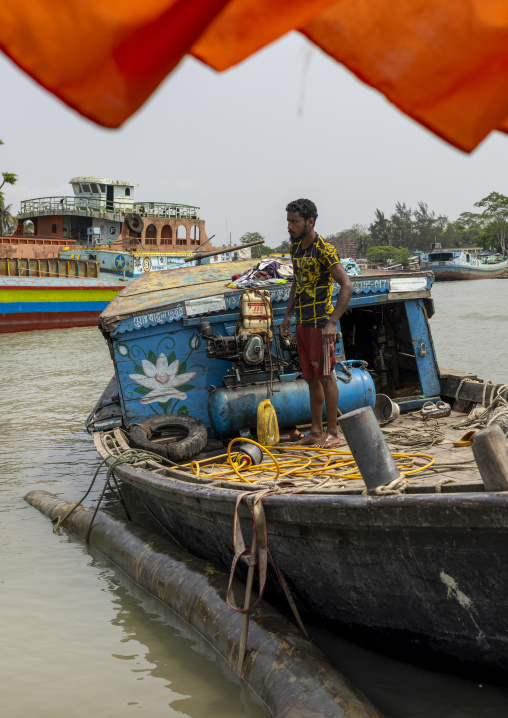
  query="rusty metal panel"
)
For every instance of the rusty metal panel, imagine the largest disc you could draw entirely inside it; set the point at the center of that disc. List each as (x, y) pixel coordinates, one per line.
(187, 277)
(156, 290)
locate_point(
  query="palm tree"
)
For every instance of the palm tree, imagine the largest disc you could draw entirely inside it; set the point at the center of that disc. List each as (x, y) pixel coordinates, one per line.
(7, 221)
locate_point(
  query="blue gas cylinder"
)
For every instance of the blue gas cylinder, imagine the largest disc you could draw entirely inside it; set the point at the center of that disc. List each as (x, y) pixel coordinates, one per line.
(232, 410)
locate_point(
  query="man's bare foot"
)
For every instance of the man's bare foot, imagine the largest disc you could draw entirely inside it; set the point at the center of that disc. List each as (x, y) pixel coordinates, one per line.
(327, 441)
(309, 439)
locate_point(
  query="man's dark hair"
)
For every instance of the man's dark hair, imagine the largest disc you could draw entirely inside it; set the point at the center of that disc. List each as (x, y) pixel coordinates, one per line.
(304, 207)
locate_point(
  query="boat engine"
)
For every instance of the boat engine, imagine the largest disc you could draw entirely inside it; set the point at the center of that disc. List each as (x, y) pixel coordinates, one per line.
(261, 356)
(257, 358)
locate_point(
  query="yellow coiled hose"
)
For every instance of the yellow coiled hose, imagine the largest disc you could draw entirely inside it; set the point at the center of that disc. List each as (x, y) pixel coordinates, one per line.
(325, 463)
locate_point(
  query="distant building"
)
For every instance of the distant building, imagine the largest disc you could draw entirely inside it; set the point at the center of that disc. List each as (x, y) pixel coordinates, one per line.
(346, 247)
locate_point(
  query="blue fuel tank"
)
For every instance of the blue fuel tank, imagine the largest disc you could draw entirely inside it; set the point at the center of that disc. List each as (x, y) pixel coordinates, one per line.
(232, 410)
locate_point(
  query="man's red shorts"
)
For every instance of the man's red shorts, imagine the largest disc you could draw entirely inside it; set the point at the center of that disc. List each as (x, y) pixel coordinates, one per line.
(313, 358)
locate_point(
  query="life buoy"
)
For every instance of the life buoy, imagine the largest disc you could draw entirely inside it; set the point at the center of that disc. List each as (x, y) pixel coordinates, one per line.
(194, 438)
(134, 222)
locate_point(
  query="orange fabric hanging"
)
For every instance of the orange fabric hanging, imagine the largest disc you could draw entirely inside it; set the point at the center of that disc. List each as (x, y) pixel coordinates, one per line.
(246, 26)
(104, 58)
(443, 62)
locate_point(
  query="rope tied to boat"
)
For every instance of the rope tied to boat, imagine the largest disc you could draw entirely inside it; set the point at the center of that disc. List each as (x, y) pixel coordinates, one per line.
(255, 555)
(119, 456)
(485, 385)
(486, 414)
(397, 486)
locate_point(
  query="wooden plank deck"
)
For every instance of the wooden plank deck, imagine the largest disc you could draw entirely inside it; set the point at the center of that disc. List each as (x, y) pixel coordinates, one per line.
(454, 469)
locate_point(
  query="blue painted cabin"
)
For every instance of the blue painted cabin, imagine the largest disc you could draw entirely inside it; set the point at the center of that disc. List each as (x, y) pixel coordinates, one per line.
(161, 360)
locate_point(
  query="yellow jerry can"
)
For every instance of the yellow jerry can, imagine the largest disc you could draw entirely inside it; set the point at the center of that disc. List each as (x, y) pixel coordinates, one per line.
(256, 312)
(268, 426)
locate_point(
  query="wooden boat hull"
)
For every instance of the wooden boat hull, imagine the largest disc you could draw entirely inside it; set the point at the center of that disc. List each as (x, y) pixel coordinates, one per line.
(454, 273)
(458, 264)
(28, 304)
(419, 575)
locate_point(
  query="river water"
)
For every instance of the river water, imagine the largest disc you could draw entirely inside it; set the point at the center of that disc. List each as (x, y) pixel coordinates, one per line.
(78, 638)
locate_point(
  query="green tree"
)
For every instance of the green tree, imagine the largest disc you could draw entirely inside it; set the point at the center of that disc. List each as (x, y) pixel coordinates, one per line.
(401, 225)
(365, 241)
(494, 217)
(6, 220)
(380, 229)
(380, 253)
(253, 237)
(265, 250)
(450, 235)
(399, 255)
(283, 248)
(427, 227)
(469, 230)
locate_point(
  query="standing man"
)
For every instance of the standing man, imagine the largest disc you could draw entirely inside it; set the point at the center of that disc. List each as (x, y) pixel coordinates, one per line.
(316, 267)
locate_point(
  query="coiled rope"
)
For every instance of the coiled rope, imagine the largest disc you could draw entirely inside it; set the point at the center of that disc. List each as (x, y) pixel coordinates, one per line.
(486, 414)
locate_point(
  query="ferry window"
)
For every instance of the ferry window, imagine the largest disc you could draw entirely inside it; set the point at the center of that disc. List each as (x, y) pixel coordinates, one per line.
(85, 187)
(151, 234)
(77, 188)
(194, 234)
(181, 232)
(127, 191)
(53, 228)
(95, 189)
(166, 235)
(103, 188)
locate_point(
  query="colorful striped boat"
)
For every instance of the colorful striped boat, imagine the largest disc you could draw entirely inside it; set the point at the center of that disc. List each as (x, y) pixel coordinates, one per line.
(28, 303)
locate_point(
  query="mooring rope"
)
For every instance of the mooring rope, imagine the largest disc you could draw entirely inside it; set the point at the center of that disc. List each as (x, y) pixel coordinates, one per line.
(486, 414)
(119, 456)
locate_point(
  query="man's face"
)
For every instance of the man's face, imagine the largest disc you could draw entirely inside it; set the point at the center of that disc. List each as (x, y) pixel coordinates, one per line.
(298, 227)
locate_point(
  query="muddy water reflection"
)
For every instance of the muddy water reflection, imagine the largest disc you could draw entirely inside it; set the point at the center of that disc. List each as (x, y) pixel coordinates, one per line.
(78, 637)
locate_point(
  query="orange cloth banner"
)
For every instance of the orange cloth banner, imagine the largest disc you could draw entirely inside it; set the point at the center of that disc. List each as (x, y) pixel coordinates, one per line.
(104, 58)
(442, 62)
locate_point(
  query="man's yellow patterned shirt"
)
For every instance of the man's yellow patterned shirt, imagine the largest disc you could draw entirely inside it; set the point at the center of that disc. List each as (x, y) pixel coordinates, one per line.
(314, 283)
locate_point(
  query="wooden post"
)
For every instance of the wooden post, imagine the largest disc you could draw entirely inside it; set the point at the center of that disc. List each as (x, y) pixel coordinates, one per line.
(490, 449)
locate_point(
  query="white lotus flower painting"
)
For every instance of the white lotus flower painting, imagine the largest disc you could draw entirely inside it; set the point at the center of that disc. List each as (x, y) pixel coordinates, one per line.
(163, 379)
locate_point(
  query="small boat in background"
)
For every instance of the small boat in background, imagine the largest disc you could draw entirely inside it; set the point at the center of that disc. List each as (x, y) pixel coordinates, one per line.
(449, 264)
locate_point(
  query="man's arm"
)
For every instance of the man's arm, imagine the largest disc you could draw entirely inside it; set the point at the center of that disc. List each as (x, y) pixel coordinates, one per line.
(286, 322)
(346, 290)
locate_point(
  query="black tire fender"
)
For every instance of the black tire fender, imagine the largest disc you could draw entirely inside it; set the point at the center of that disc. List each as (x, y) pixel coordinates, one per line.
(194, 441)
(134, 222)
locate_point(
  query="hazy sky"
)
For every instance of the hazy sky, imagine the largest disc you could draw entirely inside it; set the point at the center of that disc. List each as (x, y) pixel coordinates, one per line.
(288, 123)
